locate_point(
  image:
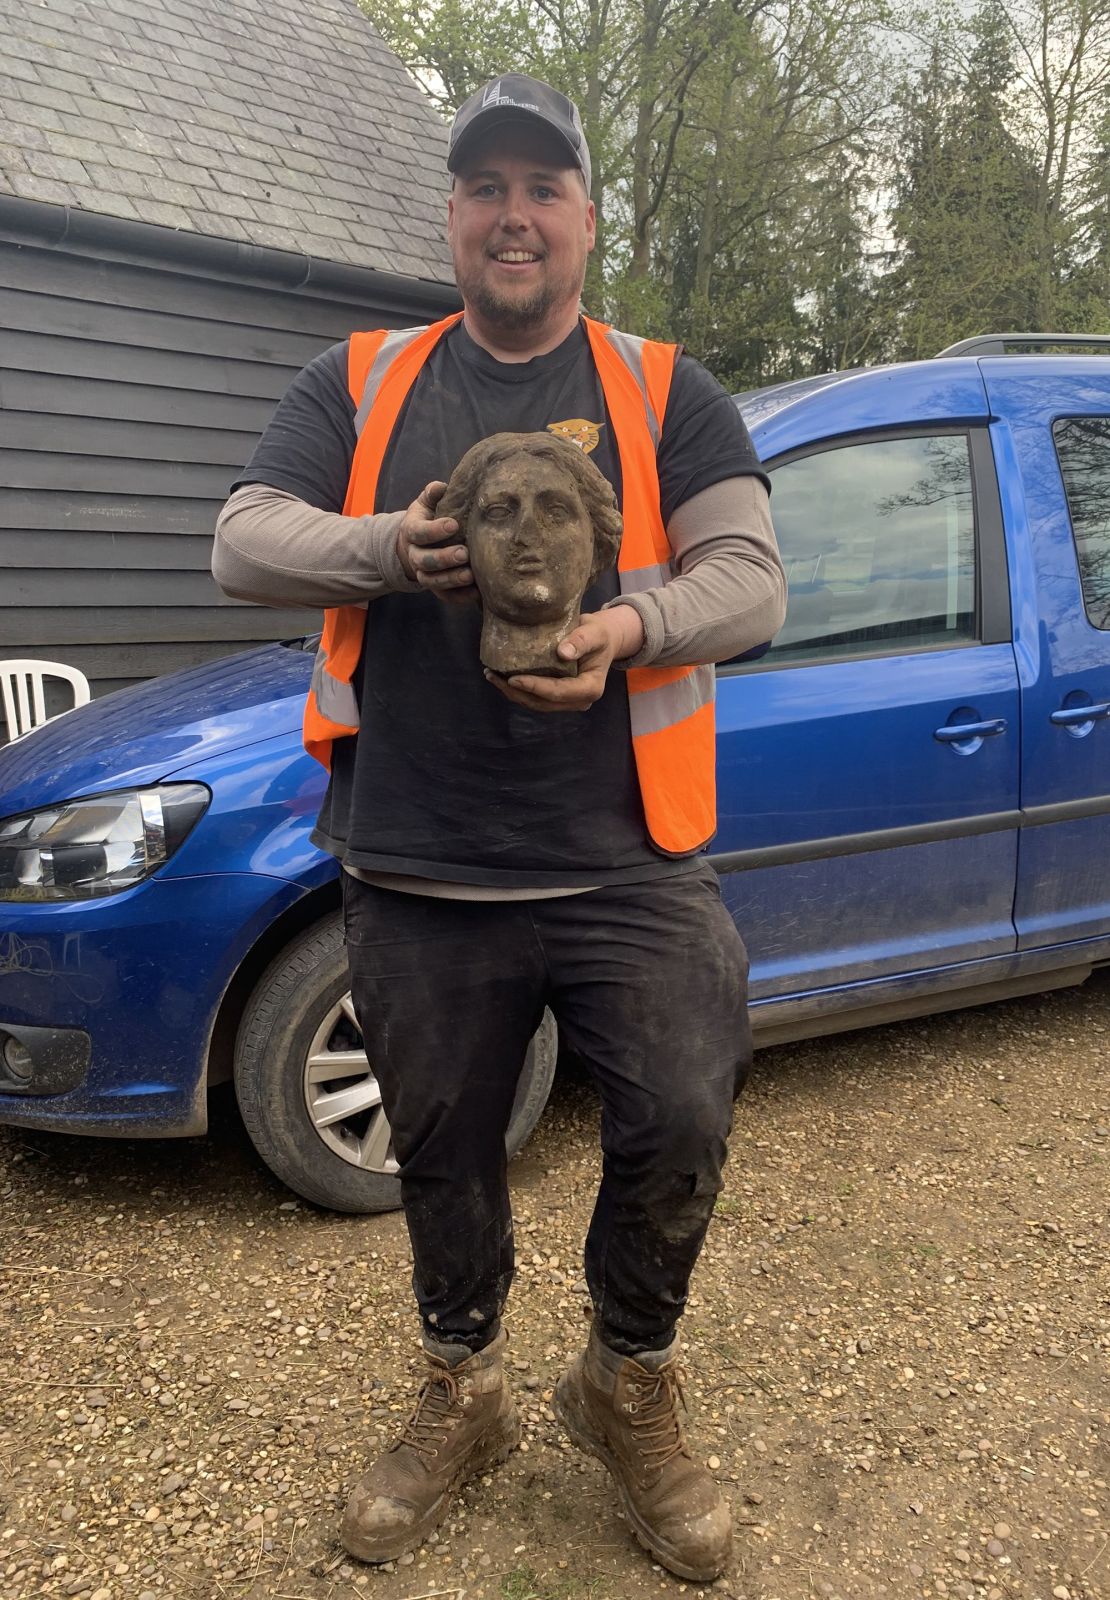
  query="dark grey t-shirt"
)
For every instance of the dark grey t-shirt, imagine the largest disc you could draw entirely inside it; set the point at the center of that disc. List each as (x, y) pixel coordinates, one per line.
(447, 779)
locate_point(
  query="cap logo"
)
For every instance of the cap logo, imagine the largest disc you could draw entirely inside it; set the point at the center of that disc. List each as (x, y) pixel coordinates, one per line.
(494, 97)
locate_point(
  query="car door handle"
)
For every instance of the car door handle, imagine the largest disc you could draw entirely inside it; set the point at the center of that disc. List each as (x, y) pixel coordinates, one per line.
(970, 730)
(1068, 716)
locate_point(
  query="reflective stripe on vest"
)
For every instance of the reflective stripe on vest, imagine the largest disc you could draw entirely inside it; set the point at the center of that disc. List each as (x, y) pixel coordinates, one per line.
(670, 708)
(335, 700)
(381, 369)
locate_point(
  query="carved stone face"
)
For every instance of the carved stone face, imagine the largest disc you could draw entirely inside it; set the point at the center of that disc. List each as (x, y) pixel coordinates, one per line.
(531, 541)
(540, 522)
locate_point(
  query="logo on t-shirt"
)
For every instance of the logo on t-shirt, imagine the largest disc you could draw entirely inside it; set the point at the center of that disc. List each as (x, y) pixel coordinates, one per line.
(576, 430)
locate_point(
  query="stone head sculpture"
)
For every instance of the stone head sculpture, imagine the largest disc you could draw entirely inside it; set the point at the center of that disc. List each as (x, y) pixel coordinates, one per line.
(541, 523)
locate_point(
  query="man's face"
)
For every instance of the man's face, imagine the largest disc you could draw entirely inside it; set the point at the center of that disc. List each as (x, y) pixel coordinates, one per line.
(520, 226)
(530, 540)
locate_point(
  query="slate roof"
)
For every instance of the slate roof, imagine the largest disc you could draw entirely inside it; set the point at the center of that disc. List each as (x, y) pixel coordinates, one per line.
(285, 123)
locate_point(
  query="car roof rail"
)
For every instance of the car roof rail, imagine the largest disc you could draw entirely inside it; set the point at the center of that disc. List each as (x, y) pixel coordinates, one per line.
(999, 344)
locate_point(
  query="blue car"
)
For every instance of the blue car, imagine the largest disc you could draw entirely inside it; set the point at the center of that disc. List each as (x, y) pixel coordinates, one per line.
(914, 791)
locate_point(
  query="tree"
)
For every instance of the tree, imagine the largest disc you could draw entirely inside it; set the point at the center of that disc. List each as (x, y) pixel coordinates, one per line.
(1088, 282)
(768, 217)
(1061, 50)
(783, 191)
(965, 211)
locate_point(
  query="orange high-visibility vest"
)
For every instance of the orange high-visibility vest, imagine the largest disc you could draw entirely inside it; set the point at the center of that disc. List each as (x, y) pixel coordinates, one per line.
(670, 708)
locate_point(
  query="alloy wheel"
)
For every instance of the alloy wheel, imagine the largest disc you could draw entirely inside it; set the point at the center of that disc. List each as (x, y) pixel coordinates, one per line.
(342, 1094)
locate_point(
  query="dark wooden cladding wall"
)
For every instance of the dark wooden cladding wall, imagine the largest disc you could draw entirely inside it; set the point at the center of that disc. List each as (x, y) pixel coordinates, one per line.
(129, 397)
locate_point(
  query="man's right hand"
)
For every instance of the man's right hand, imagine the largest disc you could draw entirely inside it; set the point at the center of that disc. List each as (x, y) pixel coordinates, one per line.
(444, 569)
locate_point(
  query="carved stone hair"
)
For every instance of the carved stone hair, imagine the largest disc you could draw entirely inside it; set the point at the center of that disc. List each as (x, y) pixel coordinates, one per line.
(596, 491)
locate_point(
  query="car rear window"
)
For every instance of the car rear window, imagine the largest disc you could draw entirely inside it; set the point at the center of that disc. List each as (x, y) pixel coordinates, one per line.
(1083, 450)
(878, 540)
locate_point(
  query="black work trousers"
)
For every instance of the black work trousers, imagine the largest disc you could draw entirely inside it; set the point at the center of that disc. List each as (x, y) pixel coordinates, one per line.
(648, 984)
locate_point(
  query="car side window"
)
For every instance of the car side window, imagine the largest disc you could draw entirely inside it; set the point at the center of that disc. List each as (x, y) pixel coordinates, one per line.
(1083, 450)
(878, 540)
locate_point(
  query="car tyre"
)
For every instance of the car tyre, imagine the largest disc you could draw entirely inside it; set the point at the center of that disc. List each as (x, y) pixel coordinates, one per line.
(297, 1016)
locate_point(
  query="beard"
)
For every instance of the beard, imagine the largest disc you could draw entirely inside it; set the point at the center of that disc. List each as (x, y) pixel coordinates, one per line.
(515, 312)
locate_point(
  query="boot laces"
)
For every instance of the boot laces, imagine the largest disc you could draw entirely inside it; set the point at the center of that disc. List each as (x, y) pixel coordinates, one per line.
(656, 1426)
(435, 1414)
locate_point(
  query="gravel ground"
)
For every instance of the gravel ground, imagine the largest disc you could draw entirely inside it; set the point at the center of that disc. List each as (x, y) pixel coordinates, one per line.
(896, 1346)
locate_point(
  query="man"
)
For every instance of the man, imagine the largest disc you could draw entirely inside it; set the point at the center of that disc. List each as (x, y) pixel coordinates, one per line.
(514, 843)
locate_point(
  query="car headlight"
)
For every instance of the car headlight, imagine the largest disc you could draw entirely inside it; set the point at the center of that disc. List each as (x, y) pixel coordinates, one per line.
(82, 849)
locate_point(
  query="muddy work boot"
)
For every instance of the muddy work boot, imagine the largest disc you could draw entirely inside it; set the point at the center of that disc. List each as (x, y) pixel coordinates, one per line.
(464, 1423)
(624, 1411)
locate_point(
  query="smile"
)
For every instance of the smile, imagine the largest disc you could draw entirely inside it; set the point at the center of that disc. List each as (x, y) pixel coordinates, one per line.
(515, 258)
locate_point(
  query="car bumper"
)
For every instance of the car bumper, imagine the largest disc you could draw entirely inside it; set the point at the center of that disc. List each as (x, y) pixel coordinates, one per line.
(114, 1000)
(42, 1060)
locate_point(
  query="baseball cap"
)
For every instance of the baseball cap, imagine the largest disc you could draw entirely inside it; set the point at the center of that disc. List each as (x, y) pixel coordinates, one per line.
(517, 98)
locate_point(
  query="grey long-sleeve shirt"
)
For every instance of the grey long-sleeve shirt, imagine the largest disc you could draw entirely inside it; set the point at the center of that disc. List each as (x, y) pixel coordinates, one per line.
(728, 595)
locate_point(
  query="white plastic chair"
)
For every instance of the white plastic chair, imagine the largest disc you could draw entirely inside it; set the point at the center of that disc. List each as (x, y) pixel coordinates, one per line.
(23, 691)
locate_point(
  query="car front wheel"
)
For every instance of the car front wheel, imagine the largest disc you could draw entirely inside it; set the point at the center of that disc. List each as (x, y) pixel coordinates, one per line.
(307, 1092)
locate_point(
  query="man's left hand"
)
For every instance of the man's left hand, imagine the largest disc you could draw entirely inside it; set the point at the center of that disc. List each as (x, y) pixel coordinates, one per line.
(600, 638)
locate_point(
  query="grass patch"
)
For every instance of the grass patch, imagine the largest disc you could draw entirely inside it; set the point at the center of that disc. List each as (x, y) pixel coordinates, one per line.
(523, 1584)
